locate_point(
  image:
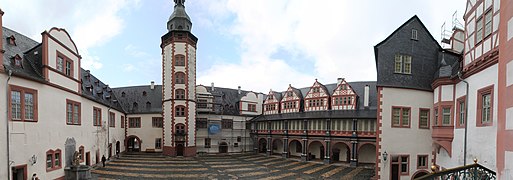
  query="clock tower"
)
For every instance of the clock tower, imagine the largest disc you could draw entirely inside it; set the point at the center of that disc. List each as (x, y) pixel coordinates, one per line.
(179, 84)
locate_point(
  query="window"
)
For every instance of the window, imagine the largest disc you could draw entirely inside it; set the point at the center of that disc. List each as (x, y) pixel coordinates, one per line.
(23, 104)
(315, 89)
(252, 107)
(53, 160)
(201, 123)
(180, 111)
(290, 94)
(179, 78)
(158, 143)
(122, 120)
(402, 64)
(422, 161)
(157, 122)
(435, 122)
(72, 112)
(64, 64)
(202, 104)
(460, 112)
(97, 116)
(270, 97)
(81, 152)
(207, 142)
(180, 129)
(403, 162)
(479, 30)
(401, 117)
(235, 144)
(446, 116)
(227, 124)
(179, 94)
(239, 139)
(424, 118)
(134, 122)
(485, 106)
(179, 60)
(414, 34)
(112, 119)
(488, 24)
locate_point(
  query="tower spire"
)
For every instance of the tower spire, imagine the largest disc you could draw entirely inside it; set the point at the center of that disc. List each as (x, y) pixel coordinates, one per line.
(179, 20)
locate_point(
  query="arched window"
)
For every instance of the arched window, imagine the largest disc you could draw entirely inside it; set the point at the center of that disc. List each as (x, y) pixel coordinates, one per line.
(180, 129)
(148, 105)
(135, 106)
(179, 60)
(180, 111)
(180, 94)
(179, 78)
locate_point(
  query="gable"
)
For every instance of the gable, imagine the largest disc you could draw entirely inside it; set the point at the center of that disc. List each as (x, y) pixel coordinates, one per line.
(343, 89)
(62, 36)
(317, 90)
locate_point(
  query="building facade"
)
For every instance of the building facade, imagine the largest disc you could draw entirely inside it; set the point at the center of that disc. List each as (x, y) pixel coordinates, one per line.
(450, 105)
(330, 123)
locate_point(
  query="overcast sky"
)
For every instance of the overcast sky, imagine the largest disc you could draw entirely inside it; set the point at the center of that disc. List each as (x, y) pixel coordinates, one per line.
(257, 44)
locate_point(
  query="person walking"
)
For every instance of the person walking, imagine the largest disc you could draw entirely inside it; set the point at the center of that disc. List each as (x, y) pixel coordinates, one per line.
(103, 160)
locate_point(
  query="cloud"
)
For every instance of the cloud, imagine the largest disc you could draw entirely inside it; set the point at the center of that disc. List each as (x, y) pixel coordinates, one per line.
(90, 23)
(128, 67)
(135, 51)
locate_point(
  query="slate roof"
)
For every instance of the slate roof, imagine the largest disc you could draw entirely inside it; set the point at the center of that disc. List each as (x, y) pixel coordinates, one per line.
(96, 90)
(135, 94)
(449, 65)
(25, 48)
(360, 112)
(226, 100)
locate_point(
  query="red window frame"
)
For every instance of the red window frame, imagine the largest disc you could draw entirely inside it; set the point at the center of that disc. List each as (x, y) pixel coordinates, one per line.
(97, 116)
(23, 91)
(252, 107)
(122, 121)
(401, 108)
(81, 152)
(180, 78)
(399, 162)
(179, 94)
(157, 122)
(180, 111)
(488, 90)
(428, 117)
(426, 160)
(441, 114)
(179, 60)
(53, 154)
(460, 100)
(65, 61)
(112, 119)
(73, 120)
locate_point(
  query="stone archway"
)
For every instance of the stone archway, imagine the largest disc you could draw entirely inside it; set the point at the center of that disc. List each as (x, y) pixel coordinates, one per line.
(419, 173)
(367, 153)
(262, 145)
(277, 146)
(341, 152)
(295, 148)
(315, 150)
(133, 144)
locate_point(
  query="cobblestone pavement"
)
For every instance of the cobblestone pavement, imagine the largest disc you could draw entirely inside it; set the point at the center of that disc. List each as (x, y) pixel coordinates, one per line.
(240, 166)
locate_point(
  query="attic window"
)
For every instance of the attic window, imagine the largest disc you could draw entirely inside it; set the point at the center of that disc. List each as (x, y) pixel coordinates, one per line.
(315, 89)
(270, 97)
(414, 34)
(343, 87)
(135, 105)
(290, 94)
(17, 60)
(12, 40)
(144, 93)
(148, 105)
(123, 94)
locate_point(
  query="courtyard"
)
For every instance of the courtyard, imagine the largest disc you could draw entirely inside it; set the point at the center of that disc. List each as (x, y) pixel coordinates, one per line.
(238, 166)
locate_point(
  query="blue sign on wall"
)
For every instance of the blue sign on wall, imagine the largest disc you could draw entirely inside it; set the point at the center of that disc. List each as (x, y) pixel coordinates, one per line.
(214, 128)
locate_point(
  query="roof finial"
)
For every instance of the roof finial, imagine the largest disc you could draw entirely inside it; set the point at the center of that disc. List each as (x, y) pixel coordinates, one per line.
(179, 2)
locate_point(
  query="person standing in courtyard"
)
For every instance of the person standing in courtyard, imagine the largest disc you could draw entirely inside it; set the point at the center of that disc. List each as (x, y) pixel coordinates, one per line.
(103, 160)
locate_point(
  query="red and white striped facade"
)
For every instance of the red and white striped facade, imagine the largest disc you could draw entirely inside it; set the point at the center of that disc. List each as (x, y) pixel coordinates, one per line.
(343, 97)
(290, 102)
(317, 98)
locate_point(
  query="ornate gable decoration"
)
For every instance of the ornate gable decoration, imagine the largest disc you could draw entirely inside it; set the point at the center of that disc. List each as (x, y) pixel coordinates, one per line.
(343, 89)
(290, 94)
(317, 90)
(271, 98)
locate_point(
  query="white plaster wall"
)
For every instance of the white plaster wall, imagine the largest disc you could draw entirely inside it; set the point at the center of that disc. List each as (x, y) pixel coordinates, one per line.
(367, 154)
(421, 138)
(167, 111)
(227, 135)
(191, 124)
(56, 78)
(51, 130)
(251, 97)
(447, 93)
(436, 94)
(147, 133)
(481, 140)
(64, 39)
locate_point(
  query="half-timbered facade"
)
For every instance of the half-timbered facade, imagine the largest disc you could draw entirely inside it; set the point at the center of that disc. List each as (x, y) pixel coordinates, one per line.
(272, 102)
(291, 100)
(318, 131)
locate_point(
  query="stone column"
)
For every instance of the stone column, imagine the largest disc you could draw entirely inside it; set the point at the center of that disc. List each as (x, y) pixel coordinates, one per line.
(354, 153)
(285, 153)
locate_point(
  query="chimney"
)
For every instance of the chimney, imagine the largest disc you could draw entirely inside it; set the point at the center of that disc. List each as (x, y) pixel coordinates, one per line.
(212, 86)
(238, 89)
(152, 86)
(339, 80)
(366, 96)
(1, 41)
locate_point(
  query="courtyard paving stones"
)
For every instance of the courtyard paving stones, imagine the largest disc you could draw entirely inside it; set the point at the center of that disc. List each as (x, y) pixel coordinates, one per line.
(238, 166)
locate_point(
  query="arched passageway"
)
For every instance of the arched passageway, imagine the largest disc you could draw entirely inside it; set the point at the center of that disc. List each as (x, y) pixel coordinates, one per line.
(340, 152)
(315, 151)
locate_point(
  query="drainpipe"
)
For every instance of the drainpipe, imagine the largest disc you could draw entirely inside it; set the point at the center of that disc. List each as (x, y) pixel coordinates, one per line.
(466, 120)
(7, 124)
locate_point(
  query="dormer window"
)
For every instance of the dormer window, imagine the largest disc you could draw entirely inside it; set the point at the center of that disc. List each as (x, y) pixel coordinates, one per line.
(123, 94)
(148, 105)
(12, 40)
(144, 93)
(135, 106)
(16, 60)
(64, 64)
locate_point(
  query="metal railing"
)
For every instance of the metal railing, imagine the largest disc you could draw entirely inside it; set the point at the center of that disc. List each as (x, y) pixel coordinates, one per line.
(474, 171)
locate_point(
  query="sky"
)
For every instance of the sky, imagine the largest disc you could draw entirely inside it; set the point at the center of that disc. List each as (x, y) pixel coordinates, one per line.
(258, 45)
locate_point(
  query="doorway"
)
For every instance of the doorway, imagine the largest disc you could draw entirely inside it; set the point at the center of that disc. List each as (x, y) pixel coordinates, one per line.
(336, 154)
(321, 153)
(262, 146)
(134, 144)
(118, 147)
(223, 147)
(19, 172)
(179, 149)
(88, 158)
(395, 171)
(110, 150)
